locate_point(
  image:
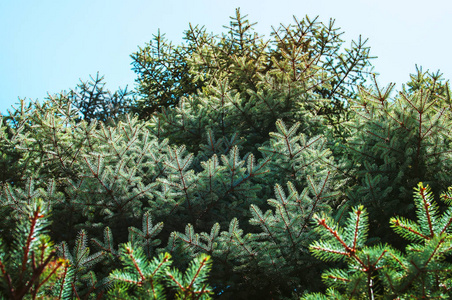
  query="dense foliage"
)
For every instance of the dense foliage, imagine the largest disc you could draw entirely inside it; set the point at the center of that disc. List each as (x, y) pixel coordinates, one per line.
(236, 159)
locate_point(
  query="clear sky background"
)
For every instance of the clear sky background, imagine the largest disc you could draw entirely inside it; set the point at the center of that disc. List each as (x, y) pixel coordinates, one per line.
(47, 46)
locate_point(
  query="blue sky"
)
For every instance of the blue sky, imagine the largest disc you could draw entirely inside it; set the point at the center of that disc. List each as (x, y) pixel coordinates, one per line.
(47, 46)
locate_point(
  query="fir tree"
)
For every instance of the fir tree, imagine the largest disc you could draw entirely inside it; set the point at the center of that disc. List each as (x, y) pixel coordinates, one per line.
(396, 143)
(148, 279)
(228, 148)
(28, 262)
(420, 272)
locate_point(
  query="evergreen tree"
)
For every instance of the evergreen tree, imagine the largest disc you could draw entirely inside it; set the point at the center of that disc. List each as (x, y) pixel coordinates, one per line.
(420, 272)
(95, 102)
(229, 147)
(28, 262)
(394, 143)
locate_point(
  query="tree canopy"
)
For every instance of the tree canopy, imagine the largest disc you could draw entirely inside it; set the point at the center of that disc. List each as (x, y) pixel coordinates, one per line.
(266, 168)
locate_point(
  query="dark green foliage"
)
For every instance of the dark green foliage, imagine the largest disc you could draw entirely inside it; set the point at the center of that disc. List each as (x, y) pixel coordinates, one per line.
(28, 262)
(80, 276)
(143, 279)
(421, 271)
(146, 238)
(15, 126)
(240, 82)
(230, 146)
(396, 143)
(96, 103)
(163, 75)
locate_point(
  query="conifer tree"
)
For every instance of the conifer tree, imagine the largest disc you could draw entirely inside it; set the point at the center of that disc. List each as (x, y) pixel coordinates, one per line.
(229, 146)
(396, 143)
(148, 279)
(421, 271)
(251, 82)
(95, 102)
(28, 262)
